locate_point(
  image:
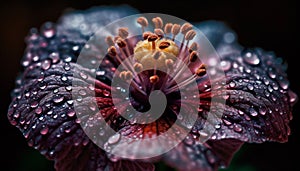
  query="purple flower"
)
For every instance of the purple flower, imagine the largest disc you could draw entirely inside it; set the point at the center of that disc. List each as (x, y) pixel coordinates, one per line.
(257, 100)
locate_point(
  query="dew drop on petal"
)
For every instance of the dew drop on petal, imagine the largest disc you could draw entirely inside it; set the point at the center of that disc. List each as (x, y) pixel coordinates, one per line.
(293, 97)
(83, 75)
(54, 57)
(38, 110)
(225, 65)
(271, 73)
(250, 57)
(58, 99)
(262, 110)
(34, 104)
(253, 112)
(71, 113)
(67, 66)
(114, 139)
(283, 82)
(237, 128)
(46, 64)
(250, 86)
(44, 130)
(232, 84)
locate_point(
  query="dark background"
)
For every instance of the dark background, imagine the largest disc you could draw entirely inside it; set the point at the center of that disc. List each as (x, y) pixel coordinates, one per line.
(267, 24)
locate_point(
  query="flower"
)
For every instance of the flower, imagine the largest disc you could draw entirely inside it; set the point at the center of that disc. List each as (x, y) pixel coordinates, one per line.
(53, 100)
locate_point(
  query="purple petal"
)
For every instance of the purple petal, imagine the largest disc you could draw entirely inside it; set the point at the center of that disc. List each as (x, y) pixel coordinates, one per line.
(258, 98)
(42, 104)
(208, 156)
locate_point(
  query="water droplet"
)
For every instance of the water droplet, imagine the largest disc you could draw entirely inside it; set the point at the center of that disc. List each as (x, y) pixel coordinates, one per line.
(83, 75)
(54, 57)
(253, 112)
(218, 126)
(262, 110)
(67, 66)
(42, 85)
(226, 122)
(68, 88)
(16, 115)
(67, 59)
(225, 65)
(179, 117)
(55, 91)
(44, 130)
(38, 110)
(283, 82)
(82, 92)
(70, 102)
(64, 78)
(25, 63)
(232, 84)
(58, 99)
(100, 73)
(106, 93)
(46, 64)
(270, 89)
(267, 94)
(237, 128)
(275, 86)
(48, 30)
(272, 73)
(266, 81)
(250, 87)
(91, 87)
(34, 104)
(101, 132)
(250, 57)
(79, 98)
(71, 113)
(293, 97)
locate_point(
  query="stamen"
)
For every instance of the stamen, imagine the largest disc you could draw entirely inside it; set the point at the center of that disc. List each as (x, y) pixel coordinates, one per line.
(128, 75)
(112, 51)
(193, 47)
(159, 32)
(158, 22)
(109, 41)
(163, 45)
(122, 75)
(193, 56)
(185, 28)
(138, 67)
(154, 79)
(201, 70)
(168, 28)
(175, 30)
(169, 63)
(190, 35)
(123, 32)
(152, 38)
(121, 42)
(143, 22)
(146, 35)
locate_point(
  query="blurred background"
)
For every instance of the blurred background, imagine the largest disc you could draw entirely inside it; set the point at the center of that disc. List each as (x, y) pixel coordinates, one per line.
(271, 25)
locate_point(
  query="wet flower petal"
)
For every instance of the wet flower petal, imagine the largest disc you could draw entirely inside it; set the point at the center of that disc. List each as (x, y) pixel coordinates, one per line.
(42, 105)
(258, 99)
(208, 156)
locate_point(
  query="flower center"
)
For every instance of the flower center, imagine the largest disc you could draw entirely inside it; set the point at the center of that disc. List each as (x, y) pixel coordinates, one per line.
(158, 60)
